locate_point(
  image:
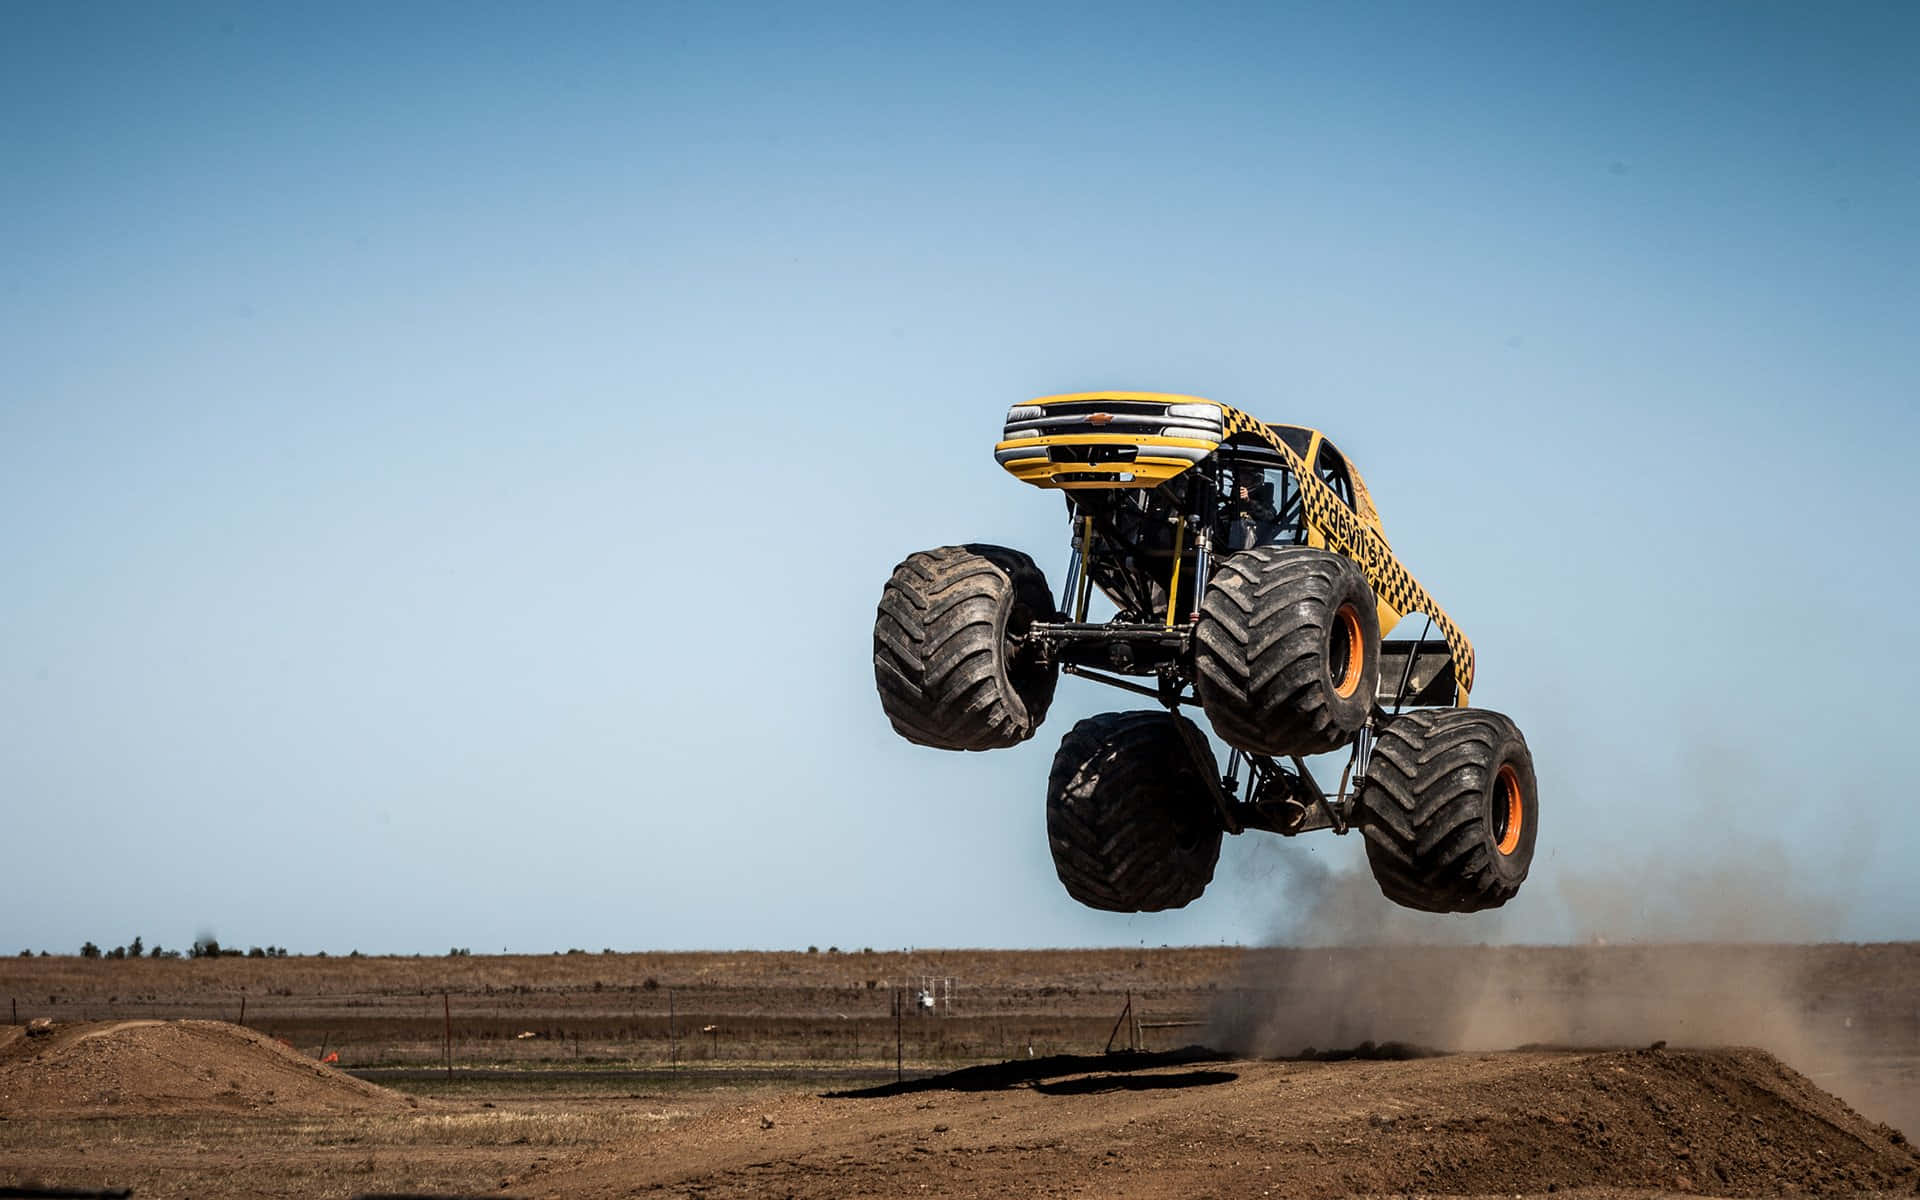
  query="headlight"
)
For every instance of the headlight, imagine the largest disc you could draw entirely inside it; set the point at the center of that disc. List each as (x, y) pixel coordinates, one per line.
(1208, 411)
(1030, 412)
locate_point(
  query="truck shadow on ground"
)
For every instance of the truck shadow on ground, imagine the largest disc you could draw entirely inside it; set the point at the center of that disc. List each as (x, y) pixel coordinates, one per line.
(1064, 1075)
(1090, 1085)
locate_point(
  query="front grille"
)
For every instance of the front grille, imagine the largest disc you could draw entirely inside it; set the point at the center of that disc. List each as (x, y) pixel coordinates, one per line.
(1076, 408)
(1135, 417)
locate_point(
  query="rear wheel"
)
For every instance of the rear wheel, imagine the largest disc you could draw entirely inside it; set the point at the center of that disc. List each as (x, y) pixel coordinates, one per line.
(1288, 650)
(1449, 810)
(949, 657)
(1129, 814)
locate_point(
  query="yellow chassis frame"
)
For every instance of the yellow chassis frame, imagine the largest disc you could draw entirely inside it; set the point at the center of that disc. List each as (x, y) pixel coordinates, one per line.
(1353, 533)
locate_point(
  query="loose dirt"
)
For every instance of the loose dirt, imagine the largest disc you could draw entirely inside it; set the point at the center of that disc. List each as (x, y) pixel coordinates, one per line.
(172, 1068)
(200, 1108)
(1726, 1122)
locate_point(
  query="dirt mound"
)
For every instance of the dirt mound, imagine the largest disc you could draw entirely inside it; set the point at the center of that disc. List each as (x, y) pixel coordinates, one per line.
(167, 1068)
(1724, 1122)
(1729, 1122)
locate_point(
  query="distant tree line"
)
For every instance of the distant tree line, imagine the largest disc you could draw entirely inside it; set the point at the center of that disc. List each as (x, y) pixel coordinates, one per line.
(210, 947)
(206, 947)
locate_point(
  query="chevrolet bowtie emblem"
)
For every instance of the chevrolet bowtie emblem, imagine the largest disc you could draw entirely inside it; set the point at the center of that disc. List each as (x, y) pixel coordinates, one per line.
(1100, 419)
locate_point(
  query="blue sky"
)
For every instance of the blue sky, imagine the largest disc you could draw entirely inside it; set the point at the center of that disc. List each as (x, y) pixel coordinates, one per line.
(449, 454)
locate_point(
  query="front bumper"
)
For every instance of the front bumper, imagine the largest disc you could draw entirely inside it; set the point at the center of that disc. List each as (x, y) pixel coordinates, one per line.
(1108, 440)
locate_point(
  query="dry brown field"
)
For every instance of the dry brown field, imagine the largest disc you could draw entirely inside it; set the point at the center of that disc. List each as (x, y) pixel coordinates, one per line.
(775, 1073)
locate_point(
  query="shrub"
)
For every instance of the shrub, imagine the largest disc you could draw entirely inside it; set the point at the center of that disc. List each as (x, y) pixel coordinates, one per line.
(206, 947)
(89, 950)
(135, 948)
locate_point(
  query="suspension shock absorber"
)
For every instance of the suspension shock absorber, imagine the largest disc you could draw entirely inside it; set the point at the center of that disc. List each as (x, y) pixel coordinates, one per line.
(1200, 547)
(1173, 584)
(1074, 560)
(1202, 537)
(1085, 588)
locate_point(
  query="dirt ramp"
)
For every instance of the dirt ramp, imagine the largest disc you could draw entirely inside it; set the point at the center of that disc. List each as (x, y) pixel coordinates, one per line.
(168, 1068)
(1731, 1122)
(1718, 1122)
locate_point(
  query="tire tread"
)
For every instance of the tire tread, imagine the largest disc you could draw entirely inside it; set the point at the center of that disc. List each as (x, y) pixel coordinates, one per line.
(939, 662)
(1422, 810)
(1261, 650)
(1124, 799)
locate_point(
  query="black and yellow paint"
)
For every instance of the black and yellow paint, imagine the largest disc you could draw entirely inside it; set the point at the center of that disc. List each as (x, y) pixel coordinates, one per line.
(1353, 532)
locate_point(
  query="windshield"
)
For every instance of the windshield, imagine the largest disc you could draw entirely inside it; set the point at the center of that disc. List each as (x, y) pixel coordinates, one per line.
(1261, 505)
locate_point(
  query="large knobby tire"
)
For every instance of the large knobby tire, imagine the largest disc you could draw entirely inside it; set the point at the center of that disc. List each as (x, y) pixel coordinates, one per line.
(1129, 815)
(1449, 810)
(946, 653)
(1288, 651)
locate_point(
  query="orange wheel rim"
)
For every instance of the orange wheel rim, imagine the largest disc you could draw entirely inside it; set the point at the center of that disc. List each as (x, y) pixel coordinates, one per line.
(1509, 812)
(1346, 652)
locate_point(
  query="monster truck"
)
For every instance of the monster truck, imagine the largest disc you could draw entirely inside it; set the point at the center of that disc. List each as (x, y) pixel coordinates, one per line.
(1250, 580)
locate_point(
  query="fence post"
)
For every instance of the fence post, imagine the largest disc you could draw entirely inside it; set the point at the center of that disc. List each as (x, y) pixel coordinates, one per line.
(1118, 1021)
(446, 1007)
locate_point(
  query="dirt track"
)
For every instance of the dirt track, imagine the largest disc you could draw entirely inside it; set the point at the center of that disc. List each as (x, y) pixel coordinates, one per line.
(204, 1108)
(211, 1108)
(1733, 1122)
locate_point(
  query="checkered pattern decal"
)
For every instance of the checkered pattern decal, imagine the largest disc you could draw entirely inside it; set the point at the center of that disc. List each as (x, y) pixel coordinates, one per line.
(1345, 534)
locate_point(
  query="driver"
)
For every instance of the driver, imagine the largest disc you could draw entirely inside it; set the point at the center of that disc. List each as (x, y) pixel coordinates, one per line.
(1255, 523)
(1253, 495)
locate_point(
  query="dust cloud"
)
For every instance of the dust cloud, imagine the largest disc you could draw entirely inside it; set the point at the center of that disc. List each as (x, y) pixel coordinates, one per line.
(1687, 953)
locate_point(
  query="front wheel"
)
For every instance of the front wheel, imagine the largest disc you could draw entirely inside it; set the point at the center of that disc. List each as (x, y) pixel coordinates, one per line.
(1288, 650)
(949, 653)
(1450, 809)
